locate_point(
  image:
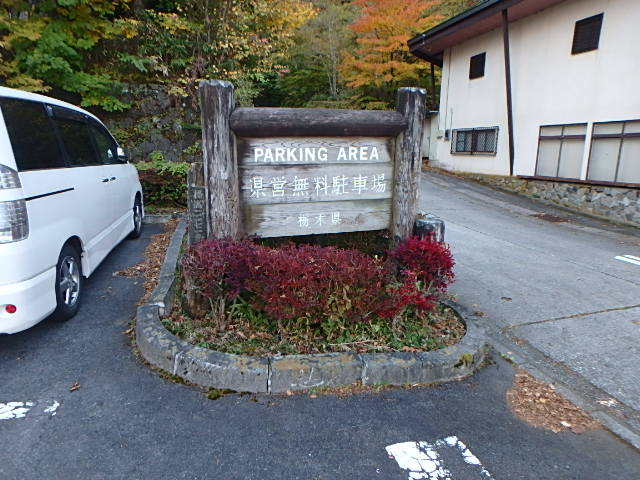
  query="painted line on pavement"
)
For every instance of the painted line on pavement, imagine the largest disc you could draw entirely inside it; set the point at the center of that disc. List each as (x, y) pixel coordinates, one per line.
(14, 410)
(421, 460)
(628, 259)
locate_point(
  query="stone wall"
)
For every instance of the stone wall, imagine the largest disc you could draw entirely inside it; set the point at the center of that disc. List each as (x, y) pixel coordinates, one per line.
(620, 205)
(157, 122)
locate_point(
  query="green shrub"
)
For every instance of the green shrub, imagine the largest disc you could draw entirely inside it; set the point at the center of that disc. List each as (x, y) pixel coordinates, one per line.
(164, 183)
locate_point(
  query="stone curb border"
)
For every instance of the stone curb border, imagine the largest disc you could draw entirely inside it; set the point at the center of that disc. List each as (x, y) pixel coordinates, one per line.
(279, 374)
(155, 218)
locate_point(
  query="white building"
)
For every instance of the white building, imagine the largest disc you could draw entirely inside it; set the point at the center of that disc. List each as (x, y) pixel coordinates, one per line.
(572, 70)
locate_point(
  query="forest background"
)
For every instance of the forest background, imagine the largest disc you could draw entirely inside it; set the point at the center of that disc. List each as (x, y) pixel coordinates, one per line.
(137, 63)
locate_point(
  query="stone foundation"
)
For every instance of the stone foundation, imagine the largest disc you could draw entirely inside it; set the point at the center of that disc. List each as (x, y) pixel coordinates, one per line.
(621, 205)
(157, 122)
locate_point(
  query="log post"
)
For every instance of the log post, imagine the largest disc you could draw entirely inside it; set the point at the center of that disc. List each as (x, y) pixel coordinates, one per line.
(217, 102)
(412, 105)
(196, 203)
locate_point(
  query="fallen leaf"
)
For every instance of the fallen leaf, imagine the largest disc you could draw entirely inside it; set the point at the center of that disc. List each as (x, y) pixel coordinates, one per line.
(74, 387)
(506, 299)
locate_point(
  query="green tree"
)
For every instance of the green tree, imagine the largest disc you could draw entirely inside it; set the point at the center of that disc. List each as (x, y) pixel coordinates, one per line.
(324, 38)
(240, 40)
(50, 44)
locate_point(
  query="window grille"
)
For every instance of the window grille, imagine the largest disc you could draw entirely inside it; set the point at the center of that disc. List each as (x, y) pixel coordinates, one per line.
(475, 140)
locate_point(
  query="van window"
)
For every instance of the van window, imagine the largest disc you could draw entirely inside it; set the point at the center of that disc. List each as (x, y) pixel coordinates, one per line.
(107, 148)
(76, 137)
(34, 143)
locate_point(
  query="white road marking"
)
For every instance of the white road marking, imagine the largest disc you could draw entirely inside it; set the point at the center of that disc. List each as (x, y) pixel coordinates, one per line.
(628, 259)
(421, 460)
(13, 410)
(52, 408)
(608, 403)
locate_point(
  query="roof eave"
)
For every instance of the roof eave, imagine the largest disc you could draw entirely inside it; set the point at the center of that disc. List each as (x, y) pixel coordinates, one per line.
(452, 21)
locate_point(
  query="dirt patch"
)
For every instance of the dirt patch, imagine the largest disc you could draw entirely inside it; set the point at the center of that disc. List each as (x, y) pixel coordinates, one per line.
(550, 218)
(538, 404)
(154, 254)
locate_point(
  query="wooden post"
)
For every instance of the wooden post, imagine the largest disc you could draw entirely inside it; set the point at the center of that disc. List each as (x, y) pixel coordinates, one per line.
(197, 203)
(412, 105)
(217, 102)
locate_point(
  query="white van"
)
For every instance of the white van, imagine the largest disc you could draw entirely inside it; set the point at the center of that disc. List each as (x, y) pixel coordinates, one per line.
(67, 196)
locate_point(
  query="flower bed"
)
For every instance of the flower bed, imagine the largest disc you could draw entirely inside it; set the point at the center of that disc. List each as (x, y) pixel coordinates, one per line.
(266, 298)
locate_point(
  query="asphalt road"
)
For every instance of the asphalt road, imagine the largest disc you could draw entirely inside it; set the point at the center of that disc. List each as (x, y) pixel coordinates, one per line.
(556, 285)
(125, 421)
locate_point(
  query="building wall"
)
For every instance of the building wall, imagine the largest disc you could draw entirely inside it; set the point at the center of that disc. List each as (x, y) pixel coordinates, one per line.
(550, 86)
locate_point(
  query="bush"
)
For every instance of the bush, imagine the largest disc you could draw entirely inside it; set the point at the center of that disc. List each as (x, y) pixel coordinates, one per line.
(321, 284)
(310, 285)
(430, 261)
(221, 267)
(164, 183)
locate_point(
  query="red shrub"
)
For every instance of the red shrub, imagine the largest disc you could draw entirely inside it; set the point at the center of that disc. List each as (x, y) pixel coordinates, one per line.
(324, 283)
(303, 282)
(221, 267)
(431, 261)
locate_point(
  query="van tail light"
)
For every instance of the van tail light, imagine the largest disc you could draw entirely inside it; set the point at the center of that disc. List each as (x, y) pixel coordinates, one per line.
(14, 224)
(8, 178)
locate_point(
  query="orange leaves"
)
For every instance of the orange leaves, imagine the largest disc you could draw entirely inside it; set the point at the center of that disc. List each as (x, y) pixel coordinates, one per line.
(382, 58)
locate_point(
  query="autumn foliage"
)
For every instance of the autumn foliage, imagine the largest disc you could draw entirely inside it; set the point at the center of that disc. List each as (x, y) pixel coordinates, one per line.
(382, 58)
(431, 262)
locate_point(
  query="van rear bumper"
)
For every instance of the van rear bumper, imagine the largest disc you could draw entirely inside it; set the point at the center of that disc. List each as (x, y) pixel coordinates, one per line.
(35, 299)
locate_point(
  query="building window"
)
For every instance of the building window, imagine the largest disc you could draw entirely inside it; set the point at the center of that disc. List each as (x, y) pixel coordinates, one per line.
(476, 66)
(475, 140)
(586, 35)
(615, 152)
(560, 150)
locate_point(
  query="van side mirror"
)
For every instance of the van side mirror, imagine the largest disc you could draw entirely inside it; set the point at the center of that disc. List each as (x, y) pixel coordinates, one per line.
(122, 156)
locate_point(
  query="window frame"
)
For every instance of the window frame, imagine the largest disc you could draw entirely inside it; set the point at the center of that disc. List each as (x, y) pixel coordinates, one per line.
(65, 113)
(94, 124)
(595, 43)
(474, 140)
(473, 74)
(560, 137)
(622, 135)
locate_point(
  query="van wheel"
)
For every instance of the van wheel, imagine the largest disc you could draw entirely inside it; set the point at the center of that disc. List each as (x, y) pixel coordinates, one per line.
(137, 219)
(68, 284)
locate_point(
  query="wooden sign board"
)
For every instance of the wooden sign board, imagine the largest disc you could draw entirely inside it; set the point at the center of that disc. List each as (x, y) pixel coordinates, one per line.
(302, 186)
(277, 172)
